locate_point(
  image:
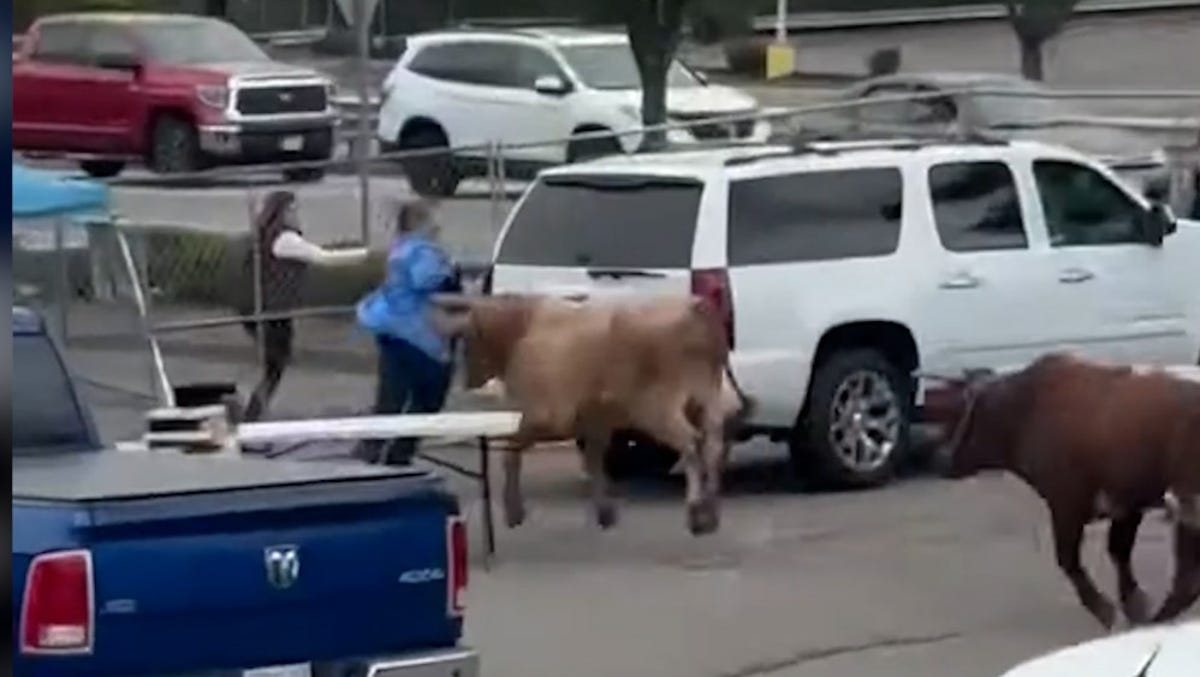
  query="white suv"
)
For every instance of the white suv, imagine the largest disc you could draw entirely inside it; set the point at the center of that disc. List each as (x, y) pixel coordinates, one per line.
(472, 87)
(843, 268)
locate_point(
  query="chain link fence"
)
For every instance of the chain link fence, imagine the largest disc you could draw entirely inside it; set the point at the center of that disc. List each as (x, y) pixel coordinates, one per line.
(190, 239)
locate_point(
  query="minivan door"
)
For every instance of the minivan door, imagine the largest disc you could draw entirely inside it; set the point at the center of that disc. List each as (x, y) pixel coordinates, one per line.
(587, 236)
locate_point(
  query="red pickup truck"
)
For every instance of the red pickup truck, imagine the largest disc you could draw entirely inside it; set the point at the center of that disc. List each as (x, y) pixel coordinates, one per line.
(179, 93)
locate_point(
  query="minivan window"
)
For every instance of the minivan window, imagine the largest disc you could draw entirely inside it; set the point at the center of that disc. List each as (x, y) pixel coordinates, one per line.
(815, 216)
(976, 207)
(605, 222)
(45, 413)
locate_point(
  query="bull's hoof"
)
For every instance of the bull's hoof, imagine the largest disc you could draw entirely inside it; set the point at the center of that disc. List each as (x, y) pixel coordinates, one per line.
(1136, 607)
(703, 519)
(1106, 614)
(514, 517)
(606, 516)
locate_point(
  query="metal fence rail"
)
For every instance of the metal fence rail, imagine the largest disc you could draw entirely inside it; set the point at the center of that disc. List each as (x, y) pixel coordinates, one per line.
(191, 269)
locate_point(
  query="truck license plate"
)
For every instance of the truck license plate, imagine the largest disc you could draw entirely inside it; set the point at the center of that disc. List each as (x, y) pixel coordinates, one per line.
(292, 143)
(297, 670)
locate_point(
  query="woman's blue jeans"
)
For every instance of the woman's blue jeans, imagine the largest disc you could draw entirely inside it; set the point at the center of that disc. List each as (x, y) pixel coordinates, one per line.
(409, 382)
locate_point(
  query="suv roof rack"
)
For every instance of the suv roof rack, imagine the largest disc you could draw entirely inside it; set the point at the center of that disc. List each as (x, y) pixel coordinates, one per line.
(517, 23)
(848, 144)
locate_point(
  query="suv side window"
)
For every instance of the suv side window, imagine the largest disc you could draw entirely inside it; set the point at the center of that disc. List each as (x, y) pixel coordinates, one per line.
(815, 216)
(61, 42)
(1082, 207)
(976, 207)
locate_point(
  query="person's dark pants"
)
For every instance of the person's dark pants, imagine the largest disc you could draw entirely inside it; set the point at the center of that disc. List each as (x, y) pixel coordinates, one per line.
(277, 353)
(409, 382)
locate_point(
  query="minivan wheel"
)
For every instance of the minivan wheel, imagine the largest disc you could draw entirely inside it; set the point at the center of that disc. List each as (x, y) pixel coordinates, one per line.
(590, 149)
(858, 422)
(429, 175)
(175, 147)
(102, 169)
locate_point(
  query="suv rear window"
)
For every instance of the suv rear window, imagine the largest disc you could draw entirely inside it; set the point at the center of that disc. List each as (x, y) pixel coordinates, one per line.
(45, 414)
(605, 221)
(815, 216)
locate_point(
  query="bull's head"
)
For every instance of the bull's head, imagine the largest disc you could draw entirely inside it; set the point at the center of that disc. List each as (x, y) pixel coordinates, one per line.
(456, 316)
(973, 411)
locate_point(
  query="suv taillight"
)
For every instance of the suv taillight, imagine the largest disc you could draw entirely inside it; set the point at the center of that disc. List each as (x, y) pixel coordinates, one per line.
(713, 286)
(58, 610)
(456, 561)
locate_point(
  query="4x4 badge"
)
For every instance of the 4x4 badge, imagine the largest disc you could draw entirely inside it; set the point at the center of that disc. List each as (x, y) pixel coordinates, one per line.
(283, 565)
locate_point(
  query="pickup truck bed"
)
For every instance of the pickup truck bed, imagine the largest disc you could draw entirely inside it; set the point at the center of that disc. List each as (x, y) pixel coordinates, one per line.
(185, 554)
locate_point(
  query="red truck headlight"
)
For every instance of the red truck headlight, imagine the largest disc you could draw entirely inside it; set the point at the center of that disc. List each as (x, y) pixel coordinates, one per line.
(59, 606)
(214, 96)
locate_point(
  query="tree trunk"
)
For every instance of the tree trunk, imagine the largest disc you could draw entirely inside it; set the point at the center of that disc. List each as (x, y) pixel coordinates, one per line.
(1031, 59)
(653, 27)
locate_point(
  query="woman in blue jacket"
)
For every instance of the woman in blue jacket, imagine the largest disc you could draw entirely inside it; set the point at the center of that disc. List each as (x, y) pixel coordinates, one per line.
(414, 359)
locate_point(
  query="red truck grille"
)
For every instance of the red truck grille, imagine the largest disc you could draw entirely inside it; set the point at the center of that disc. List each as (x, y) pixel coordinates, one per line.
(277, 100)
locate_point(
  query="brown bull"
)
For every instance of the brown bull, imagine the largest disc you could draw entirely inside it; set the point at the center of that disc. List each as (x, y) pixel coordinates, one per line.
(583, 371)
(1093, 441)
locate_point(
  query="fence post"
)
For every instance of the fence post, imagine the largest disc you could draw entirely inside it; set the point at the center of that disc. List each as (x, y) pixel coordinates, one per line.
(63, 277)
(257, 282)
(362, 25)
(159, 382)
(493, 179)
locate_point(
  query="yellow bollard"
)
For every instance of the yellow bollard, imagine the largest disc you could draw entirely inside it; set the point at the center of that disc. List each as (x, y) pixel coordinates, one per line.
(781, 60)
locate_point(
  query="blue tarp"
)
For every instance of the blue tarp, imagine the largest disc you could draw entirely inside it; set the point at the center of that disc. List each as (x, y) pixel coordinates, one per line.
(38, 193)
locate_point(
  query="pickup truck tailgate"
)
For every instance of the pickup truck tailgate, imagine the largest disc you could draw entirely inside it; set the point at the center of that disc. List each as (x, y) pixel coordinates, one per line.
(216, 561)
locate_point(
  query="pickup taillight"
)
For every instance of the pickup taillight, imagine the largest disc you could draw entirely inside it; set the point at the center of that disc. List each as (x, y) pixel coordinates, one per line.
(712, 285)
(58, 609)
(456, 562)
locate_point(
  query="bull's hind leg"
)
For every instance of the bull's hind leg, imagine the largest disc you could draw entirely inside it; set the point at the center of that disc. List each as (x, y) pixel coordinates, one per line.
(595, 446)
(1186, 588)
(514, 501)
(678, 433)
(1122, 534)
(1068, 522)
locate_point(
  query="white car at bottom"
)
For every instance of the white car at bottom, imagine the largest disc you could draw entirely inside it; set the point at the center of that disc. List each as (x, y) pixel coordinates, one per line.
(530, 89)
(1160, 651)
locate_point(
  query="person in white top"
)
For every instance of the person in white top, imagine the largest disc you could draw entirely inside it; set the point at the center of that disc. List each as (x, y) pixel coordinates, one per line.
(281, 274)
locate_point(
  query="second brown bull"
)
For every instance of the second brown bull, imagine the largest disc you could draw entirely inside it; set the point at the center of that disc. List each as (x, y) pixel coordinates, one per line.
(1093, 441)
(584, 371)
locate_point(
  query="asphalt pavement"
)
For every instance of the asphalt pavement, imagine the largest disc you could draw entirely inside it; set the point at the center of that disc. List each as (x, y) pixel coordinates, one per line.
(925, 578)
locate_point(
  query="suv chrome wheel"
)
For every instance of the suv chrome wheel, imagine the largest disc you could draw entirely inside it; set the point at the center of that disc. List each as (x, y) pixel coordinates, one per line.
(864, 421)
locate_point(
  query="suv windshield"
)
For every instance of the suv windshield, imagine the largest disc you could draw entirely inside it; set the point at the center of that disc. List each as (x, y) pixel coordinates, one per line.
(605, 221)
(198, 41)
(612, 66)
(45, 413)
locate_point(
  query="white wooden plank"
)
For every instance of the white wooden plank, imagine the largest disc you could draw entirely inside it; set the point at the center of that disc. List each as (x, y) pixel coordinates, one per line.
(450, 424)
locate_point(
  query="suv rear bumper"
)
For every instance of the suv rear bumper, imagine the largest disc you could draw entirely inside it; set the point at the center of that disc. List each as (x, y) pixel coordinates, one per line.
(246, 142)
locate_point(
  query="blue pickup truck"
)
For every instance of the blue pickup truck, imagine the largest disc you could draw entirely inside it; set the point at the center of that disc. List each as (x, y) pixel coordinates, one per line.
(167, 564)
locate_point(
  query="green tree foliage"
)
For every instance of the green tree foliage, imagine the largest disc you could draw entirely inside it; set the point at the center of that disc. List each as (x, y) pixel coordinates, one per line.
(1035, 22)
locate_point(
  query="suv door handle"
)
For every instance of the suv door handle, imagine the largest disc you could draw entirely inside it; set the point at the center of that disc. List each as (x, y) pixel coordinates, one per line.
(961, 281)
(1075, 276)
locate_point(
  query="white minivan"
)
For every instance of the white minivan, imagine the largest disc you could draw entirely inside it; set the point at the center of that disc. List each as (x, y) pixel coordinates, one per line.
(530, 89)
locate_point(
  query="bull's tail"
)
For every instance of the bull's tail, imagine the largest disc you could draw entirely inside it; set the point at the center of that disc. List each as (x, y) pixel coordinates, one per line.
(748, 404)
